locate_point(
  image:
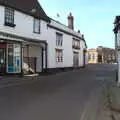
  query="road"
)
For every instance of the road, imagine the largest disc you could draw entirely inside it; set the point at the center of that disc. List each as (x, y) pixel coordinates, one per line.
(64, 96)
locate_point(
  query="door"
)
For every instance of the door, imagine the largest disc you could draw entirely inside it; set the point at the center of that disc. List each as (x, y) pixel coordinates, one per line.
(13, 58)
(99, 58)
(75, 59)
(84, 58)
(2, 58)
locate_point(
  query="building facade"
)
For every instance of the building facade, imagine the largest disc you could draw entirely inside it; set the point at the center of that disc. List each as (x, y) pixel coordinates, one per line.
(101, 55)
(92, 56)
(31, 42)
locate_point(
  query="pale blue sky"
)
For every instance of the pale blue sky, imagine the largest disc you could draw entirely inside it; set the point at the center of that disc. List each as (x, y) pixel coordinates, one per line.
(94, 18)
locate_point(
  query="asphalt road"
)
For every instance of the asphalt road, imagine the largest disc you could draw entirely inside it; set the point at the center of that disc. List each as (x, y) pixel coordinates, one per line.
(63, 96)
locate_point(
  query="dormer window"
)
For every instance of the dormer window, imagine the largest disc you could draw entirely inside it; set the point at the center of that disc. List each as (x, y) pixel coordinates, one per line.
(9, 17)
(36, 26)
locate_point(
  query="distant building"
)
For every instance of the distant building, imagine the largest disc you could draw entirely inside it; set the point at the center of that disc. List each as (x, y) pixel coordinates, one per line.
(101, 55)
(92, 56)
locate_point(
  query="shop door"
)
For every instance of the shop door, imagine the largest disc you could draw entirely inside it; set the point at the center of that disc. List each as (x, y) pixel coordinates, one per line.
(2, 58)
(13, 58)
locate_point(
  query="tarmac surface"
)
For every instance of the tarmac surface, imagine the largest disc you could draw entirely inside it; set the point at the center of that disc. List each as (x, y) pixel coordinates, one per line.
(71, 95)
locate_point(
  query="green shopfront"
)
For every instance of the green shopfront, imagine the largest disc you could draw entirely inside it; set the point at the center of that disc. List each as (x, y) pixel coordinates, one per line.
(10, 57)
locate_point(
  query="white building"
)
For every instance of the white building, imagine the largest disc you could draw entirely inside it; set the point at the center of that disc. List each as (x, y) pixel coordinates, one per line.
(32, 42)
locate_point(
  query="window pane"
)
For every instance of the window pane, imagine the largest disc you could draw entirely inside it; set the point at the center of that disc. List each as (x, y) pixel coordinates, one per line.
(59, 39)
(9, 15)
(36, 26)
(59, 55)
(14, 58)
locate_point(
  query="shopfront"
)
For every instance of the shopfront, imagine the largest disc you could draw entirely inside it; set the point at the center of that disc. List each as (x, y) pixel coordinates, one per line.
(10, 57)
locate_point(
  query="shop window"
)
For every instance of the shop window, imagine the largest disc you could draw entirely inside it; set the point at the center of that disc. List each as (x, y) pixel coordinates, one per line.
(14, 58)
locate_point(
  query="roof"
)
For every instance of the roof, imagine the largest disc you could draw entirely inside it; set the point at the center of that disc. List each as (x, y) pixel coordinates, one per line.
(66, 29)
(31, 7)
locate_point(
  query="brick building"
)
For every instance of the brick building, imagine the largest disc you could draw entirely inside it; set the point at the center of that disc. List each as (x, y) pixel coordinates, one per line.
(101, 55)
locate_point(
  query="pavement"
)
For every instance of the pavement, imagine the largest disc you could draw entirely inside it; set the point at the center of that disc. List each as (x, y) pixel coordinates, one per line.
(74, 95)
(113, 104)
(11, 81)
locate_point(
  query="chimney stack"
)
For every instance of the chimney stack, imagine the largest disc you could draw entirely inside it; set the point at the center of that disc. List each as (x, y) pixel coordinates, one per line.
(71, 21)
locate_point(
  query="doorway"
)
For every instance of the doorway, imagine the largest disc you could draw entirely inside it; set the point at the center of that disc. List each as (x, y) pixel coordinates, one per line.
(2, 58)
(75, 59)
(99, 58)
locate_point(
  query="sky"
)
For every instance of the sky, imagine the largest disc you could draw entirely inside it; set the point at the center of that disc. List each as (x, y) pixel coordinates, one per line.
(94, 18)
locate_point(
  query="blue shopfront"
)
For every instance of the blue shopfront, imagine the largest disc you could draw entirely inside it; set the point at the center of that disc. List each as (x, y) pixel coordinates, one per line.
(10, 57)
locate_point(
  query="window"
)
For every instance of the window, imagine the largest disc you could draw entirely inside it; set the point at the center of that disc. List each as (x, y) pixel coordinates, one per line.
(76, 44)
(59, 55)
(14, 58)
(9, 17)
(59, 39)
(89, 57)
(93, 56)
(36, 26)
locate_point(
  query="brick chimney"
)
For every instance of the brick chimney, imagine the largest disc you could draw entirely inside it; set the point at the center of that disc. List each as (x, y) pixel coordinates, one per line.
(71, 21)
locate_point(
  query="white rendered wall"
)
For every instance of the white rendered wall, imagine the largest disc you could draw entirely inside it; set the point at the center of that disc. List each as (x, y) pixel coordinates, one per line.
(24, 26)
(81, 63)
(67, 50)
(67, 47)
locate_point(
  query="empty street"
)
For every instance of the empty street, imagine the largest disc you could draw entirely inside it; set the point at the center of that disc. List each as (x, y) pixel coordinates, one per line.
(63, 96)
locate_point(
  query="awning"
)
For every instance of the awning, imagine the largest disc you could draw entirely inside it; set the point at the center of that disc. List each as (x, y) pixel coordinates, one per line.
(10, 37)
(25, 40)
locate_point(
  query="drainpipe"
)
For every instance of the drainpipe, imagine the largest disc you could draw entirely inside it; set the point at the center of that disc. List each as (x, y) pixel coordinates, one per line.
(42, 56)
(21, 59)
(28, 56)
(46, 56)
(116, 48)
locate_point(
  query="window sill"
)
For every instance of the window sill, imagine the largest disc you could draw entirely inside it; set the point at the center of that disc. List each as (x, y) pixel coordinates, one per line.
(74, 47)
(9, 24)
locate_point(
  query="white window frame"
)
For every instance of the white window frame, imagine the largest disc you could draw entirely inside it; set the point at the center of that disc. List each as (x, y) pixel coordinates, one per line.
(59, 39)
(59, 55)
(9, 17)
(36, 26)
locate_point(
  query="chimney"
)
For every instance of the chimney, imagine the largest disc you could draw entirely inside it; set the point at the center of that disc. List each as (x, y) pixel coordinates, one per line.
(71, 21)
